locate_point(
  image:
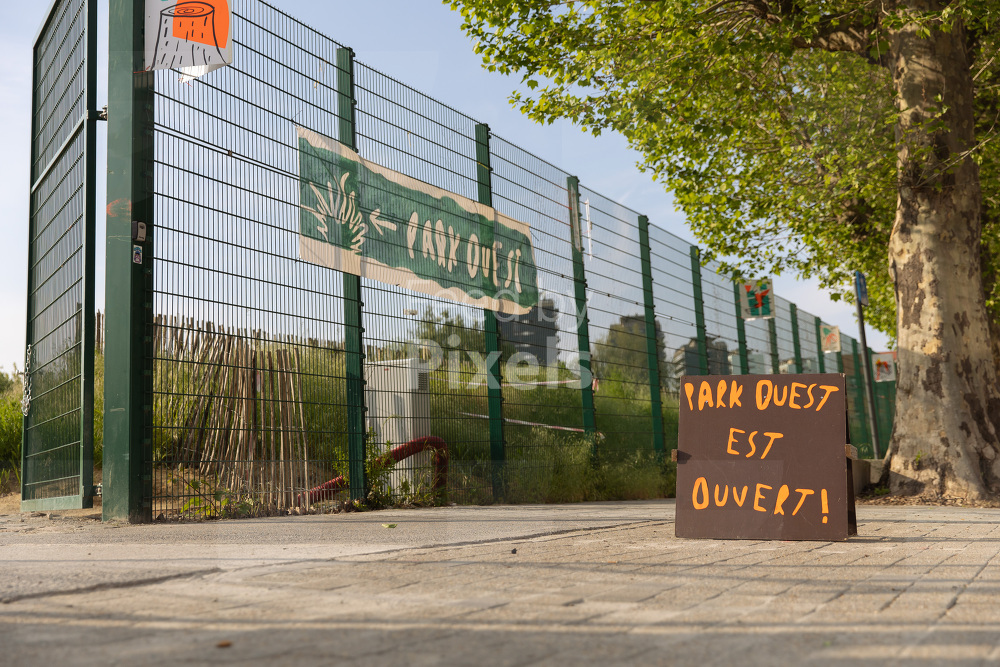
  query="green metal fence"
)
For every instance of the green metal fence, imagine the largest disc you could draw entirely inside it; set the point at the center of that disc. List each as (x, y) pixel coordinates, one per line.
(57, 447)
(251, 381)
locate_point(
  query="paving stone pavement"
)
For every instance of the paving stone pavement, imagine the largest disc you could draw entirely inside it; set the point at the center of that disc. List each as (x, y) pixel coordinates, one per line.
(919, 586)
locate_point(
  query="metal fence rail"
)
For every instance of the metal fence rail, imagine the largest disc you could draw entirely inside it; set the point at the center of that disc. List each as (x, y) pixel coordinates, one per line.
(279, 384)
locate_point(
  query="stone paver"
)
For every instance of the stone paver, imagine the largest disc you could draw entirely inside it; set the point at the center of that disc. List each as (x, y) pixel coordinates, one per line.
(605, 584)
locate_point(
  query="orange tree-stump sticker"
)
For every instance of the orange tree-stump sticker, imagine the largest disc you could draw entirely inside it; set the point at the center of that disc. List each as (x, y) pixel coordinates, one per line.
(189, 36)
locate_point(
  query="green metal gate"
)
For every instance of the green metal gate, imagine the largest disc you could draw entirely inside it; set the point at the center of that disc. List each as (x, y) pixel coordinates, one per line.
(57, 450)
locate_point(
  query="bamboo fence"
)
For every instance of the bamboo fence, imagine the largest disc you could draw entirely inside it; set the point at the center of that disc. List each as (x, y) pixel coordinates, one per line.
(239, 402)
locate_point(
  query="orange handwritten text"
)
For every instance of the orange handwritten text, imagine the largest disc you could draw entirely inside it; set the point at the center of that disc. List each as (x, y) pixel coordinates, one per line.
(758, 496)
(700, 485)
(733, 440)
(719, 496)
(767, 393)
(716, 399)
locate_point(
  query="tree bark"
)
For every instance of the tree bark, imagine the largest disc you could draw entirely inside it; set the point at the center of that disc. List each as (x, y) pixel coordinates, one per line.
(945, 439)
(989, 286)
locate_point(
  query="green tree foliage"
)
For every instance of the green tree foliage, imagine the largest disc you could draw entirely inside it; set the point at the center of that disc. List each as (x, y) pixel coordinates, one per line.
(8, 381)
(10, 419)
(817, 137)
(778, 146)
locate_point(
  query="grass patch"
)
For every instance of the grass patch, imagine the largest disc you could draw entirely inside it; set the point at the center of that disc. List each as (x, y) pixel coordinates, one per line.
(560, 468)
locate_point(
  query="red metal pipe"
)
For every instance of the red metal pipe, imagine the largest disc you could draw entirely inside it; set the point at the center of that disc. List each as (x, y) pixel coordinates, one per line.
(329, 489)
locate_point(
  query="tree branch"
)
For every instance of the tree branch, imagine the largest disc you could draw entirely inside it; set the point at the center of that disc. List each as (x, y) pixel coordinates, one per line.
(857, 34)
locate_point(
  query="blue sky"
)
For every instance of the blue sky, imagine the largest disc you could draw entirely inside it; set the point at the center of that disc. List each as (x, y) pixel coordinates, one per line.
(416, 41)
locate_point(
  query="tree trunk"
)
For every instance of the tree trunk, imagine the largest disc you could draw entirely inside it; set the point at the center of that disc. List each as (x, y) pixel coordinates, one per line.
(945, 440)
(989, 286)
(994, 319)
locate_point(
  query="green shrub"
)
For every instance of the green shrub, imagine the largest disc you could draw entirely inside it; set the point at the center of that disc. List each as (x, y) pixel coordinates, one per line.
(636, 477)
(9, 382)
(557, 467)
(11, 419)
(550, 466)
(10, 429)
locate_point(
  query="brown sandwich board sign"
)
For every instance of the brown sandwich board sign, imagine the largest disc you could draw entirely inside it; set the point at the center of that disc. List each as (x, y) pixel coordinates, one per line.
(763, 457)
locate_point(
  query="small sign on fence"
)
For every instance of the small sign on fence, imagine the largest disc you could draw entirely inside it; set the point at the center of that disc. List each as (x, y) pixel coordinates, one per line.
(884, 365)
(757, 299)
(361, 218)
(830, 336)
(763, 457)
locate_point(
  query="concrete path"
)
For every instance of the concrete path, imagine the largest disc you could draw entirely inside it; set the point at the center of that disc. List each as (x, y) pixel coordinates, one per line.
(601, 583)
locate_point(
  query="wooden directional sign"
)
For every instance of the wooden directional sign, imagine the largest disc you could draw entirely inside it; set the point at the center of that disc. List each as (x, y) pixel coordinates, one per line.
(763, 457)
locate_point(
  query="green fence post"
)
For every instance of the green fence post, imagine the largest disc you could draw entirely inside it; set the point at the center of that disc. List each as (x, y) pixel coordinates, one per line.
(819, 347)
(741, 331)
(87, 489)
(859, 401)
(796, 345)
(354, 347)
(491, 330)
(874, 422)
(699, 312)
(772, 330)
(886, 393)
(652, 348)
(127, 478)
(582, 317)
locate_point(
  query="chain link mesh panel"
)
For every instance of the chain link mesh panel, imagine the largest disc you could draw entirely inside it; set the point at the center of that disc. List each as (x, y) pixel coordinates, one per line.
(542, 400)
(857, 420)
(251, 407)
(249, 396)
(720, 322)
(616, 312)
(809, 345)
(58, 401)
(759, 353)
(786, 341)
(673, 300)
